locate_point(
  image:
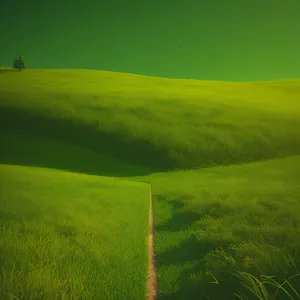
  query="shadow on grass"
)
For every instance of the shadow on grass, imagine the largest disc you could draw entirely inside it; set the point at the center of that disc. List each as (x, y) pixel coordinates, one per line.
(131, 157)
(181, 218)
(176, 203)
(7, 70)
(179, 221)
(200, 257)
(191, 287)
(191, 251)
(20, 148)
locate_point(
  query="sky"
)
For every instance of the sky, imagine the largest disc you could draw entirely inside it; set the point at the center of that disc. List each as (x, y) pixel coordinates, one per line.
(227, 40)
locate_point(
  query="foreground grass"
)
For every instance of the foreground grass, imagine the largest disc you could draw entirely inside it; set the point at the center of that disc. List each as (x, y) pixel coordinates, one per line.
(257, 287)
(70, 236)
(211, 223)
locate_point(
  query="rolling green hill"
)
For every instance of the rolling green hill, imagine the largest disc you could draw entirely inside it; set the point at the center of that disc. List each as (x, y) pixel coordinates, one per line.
(161, 124)
(223, 160)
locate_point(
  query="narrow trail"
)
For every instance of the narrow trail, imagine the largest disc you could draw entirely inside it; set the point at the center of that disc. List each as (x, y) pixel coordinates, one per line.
(151, 281)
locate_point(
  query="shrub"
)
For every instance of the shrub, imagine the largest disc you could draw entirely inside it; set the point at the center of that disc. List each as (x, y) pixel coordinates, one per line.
(19, 64)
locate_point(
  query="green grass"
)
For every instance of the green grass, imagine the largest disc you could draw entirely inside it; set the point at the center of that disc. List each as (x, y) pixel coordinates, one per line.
(213, 222)
(223, 159)
(71, 236)
(159, 123)
(257, 287)
(54, 153)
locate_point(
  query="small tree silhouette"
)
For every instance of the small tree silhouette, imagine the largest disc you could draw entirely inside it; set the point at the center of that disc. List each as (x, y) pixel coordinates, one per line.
(19, 63)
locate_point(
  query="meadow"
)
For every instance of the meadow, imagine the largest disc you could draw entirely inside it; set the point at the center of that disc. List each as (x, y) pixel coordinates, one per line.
(223, 160)
(71, 236)
(215, 222)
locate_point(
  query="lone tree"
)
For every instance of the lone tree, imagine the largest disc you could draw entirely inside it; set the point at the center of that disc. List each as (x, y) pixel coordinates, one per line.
(19, 63)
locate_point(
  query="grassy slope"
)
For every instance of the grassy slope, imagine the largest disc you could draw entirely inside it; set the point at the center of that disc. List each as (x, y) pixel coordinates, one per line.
(207, 123)
(71, 235)
(213, 221)
(109, 123)
(25, 148)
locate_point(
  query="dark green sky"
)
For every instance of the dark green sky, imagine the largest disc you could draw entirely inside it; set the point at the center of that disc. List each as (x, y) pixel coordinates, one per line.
(234, 40)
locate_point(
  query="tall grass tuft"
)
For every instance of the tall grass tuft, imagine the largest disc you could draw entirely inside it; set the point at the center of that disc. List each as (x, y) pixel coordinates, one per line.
(258, 287)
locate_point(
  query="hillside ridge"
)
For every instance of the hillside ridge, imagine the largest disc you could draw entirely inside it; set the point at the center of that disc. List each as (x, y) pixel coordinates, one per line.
(161, 124)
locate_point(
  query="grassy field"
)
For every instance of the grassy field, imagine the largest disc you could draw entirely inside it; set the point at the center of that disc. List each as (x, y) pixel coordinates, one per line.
(223, 159)
(213, 222)
(71, 236)
(158, 123)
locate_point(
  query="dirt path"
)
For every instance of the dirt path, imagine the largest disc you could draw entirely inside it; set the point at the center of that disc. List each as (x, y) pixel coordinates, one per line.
(151, 282)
